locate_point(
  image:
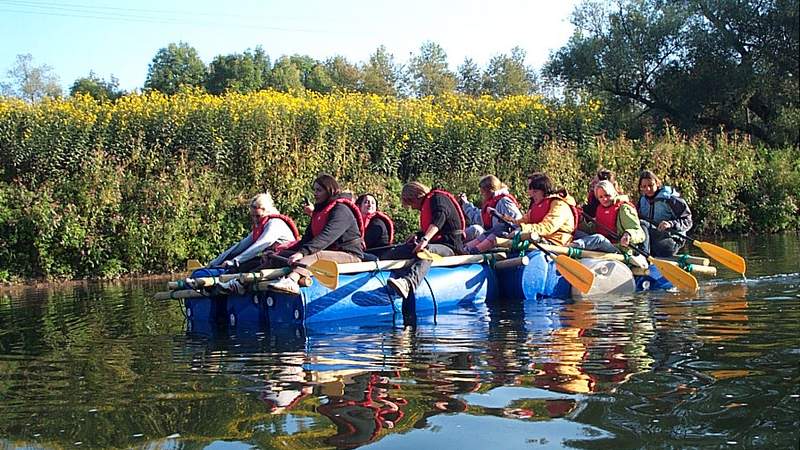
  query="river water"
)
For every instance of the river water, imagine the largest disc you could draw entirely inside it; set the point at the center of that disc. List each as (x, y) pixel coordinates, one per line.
(105, 366)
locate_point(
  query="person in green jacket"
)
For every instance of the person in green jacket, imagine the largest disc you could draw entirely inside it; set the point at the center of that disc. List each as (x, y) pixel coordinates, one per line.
(616, 224)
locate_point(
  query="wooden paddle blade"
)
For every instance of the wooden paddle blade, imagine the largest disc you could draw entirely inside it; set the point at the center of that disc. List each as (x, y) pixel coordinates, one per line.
(578, 275)
(724, 256)
(193, 264)
(326, 272)
(428, 255)
(681, 279)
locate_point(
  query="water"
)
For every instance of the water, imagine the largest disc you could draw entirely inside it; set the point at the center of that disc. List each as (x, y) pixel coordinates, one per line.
(101, 366)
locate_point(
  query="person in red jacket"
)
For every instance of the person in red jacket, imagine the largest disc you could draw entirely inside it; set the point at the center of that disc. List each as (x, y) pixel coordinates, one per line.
(441, 231)
(378, 227)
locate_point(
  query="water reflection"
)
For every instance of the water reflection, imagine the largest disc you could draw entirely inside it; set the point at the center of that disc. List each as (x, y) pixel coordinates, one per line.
(103, 366)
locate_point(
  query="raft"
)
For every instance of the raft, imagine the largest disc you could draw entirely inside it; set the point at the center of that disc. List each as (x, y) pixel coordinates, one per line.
(452, 282)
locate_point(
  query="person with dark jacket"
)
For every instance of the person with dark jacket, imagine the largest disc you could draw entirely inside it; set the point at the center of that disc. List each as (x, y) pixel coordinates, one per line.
(335, 234)
(378, 227)
(661, 208)
(441, 232)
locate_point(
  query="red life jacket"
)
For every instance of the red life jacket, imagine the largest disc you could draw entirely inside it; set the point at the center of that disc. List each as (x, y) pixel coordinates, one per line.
(386, 219)
(282, 217)
(320, 218)
(486, 216)
(426, 214)
(607, 219)
(539, 211)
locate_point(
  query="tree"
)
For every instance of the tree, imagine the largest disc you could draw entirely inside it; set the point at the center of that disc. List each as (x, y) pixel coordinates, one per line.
(469, 78)
(344, 75)
(698, 63)
(238, 72)
(428, 71)
(508, 75)
(30, 82)
(174, 66)
(286, 76)
(98, 88)
(381, 73)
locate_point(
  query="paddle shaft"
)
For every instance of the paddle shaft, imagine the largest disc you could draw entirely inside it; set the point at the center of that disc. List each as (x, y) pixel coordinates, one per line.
(535, 244)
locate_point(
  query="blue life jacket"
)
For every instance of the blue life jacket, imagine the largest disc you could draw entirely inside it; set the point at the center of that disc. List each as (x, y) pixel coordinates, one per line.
(659, 210)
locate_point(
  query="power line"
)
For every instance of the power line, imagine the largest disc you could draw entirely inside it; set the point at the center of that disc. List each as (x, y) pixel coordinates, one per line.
(87, 12)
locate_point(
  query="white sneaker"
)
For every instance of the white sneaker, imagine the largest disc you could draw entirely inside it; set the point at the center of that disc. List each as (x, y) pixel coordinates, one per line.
(640, 261)
(285, 284)
(401, 286)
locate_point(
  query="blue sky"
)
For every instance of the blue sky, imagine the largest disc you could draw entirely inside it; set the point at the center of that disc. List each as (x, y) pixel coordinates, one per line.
(121, 38)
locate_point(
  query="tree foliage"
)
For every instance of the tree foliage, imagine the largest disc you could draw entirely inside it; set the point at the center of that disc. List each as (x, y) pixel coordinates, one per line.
(96, 87)
(30, 82)
(238, 72)
(174, 66)
(469, 78)
(509, 75)
(381, 73)
(428, 72)
(698, 63)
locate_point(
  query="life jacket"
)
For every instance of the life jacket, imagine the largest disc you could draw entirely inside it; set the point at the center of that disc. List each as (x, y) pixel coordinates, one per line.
(386, 219)
(426, 213)
(486, 216)
(539, 211)
(606, 218)
(258, 229)
(658, 209)
(320, 218)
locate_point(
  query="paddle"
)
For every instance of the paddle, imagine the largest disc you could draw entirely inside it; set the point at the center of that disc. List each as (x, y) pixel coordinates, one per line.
(578, 275)
(193, 264)
(722, 255)
(679, 278)
(325, 271)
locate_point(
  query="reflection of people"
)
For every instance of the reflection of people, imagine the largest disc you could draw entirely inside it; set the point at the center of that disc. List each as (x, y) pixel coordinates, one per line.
(334, 234)
(661, 208)
(269, 227)
(281, 400)
(362, 410)
(378, 227)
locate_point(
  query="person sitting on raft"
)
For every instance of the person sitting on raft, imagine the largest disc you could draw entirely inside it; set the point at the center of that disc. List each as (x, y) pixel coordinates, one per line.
(484, 228)
(441, 231)
(335, 233)
(553, 213)
(617, 223)
(378, 227)
(592, 203)
(269, 227)
(661, 208)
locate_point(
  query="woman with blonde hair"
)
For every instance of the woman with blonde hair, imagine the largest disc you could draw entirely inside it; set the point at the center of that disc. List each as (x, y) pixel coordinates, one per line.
(268, 227)
(484, 227)
(617, 223)
(441, 231)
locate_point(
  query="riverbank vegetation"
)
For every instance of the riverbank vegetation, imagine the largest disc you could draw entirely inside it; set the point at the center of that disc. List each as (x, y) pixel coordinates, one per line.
(100, 189)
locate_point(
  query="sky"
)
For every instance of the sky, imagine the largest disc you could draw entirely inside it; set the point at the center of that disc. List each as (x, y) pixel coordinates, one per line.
(121, 38)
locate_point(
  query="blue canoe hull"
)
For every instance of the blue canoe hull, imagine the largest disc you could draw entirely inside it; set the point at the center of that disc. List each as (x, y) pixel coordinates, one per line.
(358, 295)
(366, 295)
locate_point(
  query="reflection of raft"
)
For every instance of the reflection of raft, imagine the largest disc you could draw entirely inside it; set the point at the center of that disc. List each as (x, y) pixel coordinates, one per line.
(366, 294)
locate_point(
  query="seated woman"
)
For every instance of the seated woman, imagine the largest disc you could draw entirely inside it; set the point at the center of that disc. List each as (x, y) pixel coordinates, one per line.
(617, 223)
(484, 228)
(661, 208)
(553, 214)
(378, 227)
(335, 233)
(591, 205)
(269, 227)
(441, 231)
